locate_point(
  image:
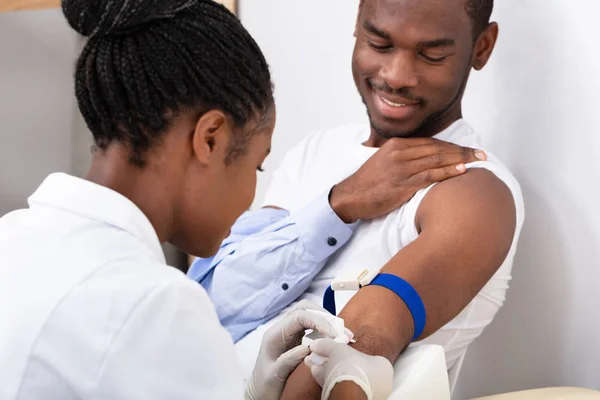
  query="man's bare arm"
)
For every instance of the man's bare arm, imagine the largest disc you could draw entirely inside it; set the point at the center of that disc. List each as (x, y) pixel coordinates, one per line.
(466, 227)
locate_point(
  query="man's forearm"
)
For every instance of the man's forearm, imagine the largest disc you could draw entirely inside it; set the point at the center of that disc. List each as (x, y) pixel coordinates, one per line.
(382, 331)
(347, 391)
(262, 268)
(302, 386)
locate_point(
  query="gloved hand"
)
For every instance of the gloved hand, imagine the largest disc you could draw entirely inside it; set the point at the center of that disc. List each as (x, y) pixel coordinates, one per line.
(337, 362)
(280, 352)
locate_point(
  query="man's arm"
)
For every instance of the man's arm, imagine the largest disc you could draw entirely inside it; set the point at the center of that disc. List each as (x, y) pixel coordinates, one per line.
(261, 273)
(466, 227)
(263, 267)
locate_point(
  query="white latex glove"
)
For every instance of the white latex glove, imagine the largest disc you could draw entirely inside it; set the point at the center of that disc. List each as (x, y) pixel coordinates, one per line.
(281, 351)
(337, 362)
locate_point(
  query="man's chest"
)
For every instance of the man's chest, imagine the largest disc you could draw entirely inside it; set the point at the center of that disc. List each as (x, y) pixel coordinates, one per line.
(375, 241)
(323, 170)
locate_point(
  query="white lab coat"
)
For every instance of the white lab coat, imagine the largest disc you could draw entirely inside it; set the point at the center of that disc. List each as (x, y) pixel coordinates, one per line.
(90, 310)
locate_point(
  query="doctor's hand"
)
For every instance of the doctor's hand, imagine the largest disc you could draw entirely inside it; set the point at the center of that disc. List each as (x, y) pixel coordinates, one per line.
(281, 350)
(398, 170)
(337, 362)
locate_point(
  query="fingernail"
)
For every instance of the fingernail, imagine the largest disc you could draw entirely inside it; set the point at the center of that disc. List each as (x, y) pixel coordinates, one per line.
(461, 167)
(481, 155)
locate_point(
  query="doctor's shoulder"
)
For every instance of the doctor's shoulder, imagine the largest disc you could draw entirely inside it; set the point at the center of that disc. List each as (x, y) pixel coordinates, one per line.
(164, 307)
(169, 336)
(167, 289)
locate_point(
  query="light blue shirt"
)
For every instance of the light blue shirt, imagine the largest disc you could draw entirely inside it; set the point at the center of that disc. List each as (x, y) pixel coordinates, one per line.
(268, 261)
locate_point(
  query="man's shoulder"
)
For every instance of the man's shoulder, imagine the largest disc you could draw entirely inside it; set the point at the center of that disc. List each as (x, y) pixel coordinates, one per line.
(488, 186)
(481, 194)
(497, 171)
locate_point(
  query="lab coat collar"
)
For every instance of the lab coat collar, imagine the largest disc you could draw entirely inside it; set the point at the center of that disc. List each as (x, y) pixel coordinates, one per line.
(93, 201)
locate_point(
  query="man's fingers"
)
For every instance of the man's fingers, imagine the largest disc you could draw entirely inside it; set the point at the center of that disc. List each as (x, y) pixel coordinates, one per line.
(401, 143)
(430, 176)
(440, 153)
(411, 143)
(440, 160)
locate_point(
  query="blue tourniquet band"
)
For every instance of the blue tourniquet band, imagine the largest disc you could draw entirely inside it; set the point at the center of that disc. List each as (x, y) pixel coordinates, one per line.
(397, 285)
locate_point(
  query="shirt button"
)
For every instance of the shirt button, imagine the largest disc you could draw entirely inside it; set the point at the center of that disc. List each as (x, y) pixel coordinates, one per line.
(332, 241)
(285, 286)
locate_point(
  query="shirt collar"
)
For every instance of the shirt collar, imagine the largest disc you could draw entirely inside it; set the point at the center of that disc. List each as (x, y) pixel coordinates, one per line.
(93, 201)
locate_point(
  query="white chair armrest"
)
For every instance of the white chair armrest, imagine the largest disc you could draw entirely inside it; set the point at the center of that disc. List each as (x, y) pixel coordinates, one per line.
(420, 373)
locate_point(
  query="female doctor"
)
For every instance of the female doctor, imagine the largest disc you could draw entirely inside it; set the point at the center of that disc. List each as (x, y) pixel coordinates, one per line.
(179, 100)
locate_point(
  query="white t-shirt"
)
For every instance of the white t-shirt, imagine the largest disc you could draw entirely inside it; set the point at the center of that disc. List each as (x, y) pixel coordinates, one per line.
(328, 157)
(90, 310)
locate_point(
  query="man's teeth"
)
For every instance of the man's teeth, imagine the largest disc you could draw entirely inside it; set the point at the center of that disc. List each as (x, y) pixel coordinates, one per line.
(392, 104)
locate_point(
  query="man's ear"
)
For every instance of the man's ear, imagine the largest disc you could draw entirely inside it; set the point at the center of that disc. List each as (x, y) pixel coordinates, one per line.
(360, 7)
(485, 46)
(211, 136)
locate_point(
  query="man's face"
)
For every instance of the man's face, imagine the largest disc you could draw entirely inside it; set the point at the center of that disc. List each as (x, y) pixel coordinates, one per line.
(411, 62)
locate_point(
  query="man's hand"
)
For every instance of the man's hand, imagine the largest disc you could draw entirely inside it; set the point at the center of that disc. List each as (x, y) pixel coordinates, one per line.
(395, 173)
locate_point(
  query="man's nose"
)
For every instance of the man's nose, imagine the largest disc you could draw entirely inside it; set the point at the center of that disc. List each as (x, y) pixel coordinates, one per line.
(399, 72)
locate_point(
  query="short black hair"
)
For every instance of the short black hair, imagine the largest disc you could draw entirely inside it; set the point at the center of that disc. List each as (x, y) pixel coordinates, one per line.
(480, 12)
(147, 60)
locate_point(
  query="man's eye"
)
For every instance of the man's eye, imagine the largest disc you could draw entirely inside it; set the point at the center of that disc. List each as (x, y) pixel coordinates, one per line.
(433, 59)
(379, 47)
(260, 168)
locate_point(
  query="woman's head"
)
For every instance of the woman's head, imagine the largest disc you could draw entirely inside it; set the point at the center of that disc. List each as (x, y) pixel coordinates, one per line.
(181, 90)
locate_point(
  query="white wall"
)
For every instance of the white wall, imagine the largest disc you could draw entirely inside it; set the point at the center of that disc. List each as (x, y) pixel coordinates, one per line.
(37, 50)
(310, 67)
(537, 104)
(538, 101)
(41, 129)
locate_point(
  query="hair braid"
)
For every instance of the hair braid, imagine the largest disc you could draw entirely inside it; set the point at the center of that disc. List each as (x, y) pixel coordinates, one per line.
(146, 60)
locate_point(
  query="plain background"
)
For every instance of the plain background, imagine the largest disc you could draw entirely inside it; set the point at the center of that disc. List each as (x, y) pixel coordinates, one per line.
(535, 104)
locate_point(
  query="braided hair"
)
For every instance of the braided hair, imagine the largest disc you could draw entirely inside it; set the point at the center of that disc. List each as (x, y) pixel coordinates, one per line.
(147, 60)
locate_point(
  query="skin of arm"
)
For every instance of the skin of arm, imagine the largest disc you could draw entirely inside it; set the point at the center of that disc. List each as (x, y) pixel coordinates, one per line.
(466, 226)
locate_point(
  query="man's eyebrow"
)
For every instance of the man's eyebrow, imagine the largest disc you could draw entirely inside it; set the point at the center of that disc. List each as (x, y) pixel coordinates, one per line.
(368, 25)
(443, 42)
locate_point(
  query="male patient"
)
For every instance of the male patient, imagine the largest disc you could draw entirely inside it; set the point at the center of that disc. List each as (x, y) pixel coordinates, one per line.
(378, 196)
